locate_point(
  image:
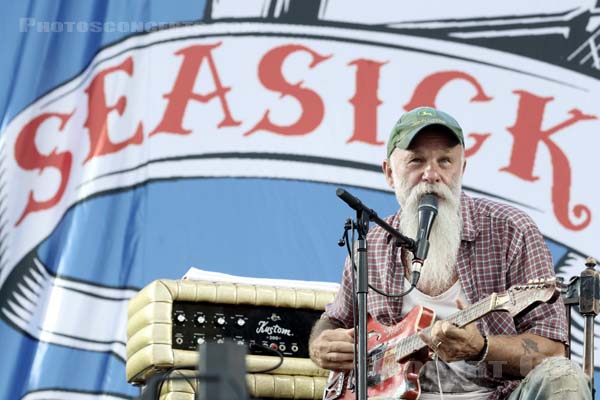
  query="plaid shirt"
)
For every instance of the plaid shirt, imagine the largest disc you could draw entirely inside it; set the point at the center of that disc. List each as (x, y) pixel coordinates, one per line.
(500, 247)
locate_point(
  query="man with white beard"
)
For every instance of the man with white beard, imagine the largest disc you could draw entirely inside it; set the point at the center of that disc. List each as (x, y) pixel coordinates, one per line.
(477, 247)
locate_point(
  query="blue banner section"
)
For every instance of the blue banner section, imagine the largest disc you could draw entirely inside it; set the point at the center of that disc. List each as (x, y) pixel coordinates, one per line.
(163, 228)
(46, 44)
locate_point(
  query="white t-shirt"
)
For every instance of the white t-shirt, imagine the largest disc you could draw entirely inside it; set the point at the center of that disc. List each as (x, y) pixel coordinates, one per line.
(459, 379)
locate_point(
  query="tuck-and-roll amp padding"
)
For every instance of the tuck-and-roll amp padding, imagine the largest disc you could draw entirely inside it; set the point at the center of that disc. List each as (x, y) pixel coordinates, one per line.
(169, 318)
(259, 386)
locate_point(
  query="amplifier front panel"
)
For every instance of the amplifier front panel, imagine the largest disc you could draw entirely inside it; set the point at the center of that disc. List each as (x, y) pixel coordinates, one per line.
(283, 329)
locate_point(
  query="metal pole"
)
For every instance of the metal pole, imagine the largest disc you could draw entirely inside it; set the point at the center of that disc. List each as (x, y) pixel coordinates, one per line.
(361, 292)
(589, 307)
(588, 348)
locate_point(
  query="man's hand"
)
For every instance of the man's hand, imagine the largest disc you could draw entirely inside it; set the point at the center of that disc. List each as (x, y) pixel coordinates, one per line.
(452, 343)
(333, 349)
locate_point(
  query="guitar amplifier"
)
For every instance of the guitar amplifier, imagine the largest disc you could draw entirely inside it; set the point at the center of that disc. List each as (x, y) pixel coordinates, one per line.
(168, 319)
(260, 386)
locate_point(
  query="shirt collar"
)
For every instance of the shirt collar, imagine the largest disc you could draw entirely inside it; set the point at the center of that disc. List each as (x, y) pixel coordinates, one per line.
(470, 226)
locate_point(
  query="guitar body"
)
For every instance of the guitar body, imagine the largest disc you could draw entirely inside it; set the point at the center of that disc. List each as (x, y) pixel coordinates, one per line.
(386, 377)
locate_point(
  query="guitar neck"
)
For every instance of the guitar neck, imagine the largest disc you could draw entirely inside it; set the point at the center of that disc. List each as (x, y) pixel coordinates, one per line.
(413, 343)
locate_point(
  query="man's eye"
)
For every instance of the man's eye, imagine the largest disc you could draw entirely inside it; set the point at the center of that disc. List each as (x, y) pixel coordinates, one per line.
(415, 160)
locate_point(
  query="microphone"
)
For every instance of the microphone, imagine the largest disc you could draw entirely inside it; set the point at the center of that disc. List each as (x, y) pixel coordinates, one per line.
(428, 208)
(354, 202)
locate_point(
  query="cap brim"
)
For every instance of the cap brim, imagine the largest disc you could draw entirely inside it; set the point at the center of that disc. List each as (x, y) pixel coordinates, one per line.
(405, 142)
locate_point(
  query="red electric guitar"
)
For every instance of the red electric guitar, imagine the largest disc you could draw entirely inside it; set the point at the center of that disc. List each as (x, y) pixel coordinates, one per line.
(396, 354)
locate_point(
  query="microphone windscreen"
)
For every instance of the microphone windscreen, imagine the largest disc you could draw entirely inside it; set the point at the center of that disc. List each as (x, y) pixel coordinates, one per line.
(429, 201)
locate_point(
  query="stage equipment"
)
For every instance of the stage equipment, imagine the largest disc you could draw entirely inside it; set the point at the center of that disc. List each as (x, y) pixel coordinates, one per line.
(228, 361)
(259, 386)
(167, 319)
(364, 214)
(584, 291)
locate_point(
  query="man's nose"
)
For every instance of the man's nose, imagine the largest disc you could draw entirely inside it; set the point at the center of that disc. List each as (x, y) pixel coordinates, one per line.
(431, 174)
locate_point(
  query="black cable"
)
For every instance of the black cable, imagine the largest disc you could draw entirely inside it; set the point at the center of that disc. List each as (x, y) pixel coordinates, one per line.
(350, 253)
(164, 376)
(155, 383)
(277, 352)
(162, 381)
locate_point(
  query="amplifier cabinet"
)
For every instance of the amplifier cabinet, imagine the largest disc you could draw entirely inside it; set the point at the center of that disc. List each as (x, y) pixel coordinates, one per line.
(168, 318)
(260, 386)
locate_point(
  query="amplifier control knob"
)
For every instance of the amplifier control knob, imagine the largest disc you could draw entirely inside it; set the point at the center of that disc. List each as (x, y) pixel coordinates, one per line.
(180, 318)
(200, 319)
(241, 322)
(200, 340)
(221, 321)
(220, 341)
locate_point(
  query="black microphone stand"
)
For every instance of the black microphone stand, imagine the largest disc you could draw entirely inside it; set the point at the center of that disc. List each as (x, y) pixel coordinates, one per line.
(362, 219)
(363, 216)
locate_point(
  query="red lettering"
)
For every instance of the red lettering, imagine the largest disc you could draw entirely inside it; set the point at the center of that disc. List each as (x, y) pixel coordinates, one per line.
(365, 101)
(183, 90)
(29, 158)
(479, 139)
(528, 134)
(427, 90)
(97, 119)
(271, 76)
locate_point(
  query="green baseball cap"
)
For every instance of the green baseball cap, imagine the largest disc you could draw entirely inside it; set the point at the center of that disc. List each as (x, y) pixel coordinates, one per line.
(414, 120)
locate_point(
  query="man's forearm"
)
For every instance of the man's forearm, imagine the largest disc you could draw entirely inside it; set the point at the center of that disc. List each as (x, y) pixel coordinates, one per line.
(517, 355)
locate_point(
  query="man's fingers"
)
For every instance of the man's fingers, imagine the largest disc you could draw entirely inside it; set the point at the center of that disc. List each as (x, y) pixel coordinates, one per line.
(334, 349)
(460, 304)
(339, 357)
(425, 338)
(446, 328)
(339, 335)
(340, 347)
(452, 332)
(436, 330)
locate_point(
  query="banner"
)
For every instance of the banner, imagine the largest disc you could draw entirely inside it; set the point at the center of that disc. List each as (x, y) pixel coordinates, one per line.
(219, 142)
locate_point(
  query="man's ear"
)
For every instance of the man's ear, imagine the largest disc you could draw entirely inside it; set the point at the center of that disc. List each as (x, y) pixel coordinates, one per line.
(387, 171)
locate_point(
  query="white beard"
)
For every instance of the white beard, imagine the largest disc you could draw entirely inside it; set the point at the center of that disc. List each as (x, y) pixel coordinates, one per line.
(439, 268)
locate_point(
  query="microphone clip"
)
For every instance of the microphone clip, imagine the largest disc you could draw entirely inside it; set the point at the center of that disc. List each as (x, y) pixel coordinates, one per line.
(347, 227)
